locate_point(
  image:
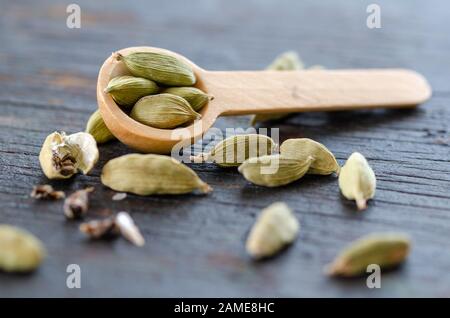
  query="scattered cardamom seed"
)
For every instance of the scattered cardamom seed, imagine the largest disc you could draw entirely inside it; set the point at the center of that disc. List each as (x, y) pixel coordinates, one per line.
(234, 150)
(97, 128)
(128, 229)
(20, 251)
(274, 170)
(127, 90)
(194, 96)
(119, 196)
(383, 249)
(151, 174)
(163, 111)
(357, 180)
(97, 229)
(288, 61)
(77, 204)
(46, 192)
(122, 223)
(64, 155)
(301, 148)
(161, 68)
(275, 228)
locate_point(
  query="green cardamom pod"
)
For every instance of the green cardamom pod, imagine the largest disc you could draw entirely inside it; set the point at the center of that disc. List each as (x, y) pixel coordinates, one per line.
(357, 180)
(20, 251)
(127, 90)
(301, 148)
(234, 150)
(275, 228)
(161, 68)
(195, 97)
(287, 61)
(163, 111)
(383, 249)
(97, 128)
(151, 174)
(274, 170)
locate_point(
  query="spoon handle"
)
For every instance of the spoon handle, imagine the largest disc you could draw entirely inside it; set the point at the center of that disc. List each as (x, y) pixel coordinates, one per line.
(250, 92)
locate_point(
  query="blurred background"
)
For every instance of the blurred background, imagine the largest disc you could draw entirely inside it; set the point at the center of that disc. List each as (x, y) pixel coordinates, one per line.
(38, 47)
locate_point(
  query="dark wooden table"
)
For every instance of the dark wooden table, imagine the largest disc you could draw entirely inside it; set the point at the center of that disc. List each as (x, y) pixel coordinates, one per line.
(195, 244)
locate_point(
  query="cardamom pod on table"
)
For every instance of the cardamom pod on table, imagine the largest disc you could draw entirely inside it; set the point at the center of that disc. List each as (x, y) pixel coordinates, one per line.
(161, 68)
(163, 111)
(383, 249)
(301, 148)
(97, 128)
(151, 174)
(287, 61)
(275, 228)
(274, 170)
(234, 150)
(20, 251)
(194, 96)
(127, 90)
(357, 180)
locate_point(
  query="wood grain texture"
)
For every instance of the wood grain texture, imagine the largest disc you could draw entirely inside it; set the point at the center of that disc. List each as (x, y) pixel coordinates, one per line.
(195, 244)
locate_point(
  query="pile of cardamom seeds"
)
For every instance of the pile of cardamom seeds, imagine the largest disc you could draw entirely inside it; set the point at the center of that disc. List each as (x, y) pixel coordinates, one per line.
(159, 93)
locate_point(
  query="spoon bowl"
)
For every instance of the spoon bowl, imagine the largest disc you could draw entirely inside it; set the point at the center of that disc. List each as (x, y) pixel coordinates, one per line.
(131, 132)
(252, 92)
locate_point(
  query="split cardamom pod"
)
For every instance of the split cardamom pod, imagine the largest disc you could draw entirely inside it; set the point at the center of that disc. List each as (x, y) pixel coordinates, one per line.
(274, 170)
(161, 68)
(163, 111)
(151, 174)
(301, 148)
(357, 180)
(64, 155)
(383, 249)
(234, 150)
(288, 61)
(77, 204)
(194, 96)
(20, 251)
(127, 90)
(275, 228)
(97, 128)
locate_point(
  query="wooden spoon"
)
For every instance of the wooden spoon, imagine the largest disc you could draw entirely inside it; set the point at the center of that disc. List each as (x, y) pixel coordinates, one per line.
(252, 92)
